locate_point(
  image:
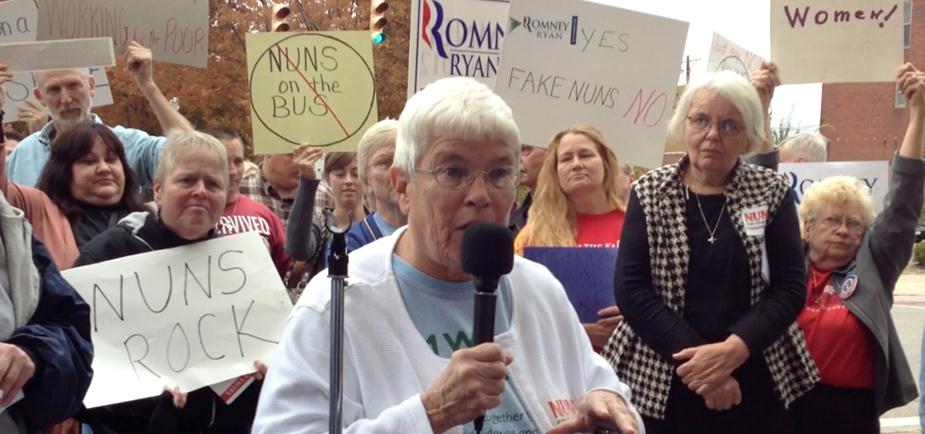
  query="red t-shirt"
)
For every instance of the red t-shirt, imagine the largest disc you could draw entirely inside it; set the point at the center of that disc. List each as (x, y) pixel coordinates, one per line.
(245, 215)
(599, 230)
(840, 344)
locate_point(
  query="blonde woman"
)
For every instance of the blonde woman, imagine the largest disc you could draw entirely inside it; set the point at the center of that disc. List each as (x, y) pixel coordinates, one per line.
(577, 204)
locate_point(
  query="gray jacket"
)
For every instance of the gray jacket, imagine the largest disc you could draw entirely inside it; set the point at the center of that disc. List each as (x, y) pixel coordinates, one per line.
(881, 258)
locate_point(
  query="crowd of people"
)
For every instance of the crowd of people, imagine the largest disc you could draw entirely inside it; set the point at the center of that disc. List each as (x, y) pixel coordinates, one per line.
(736, 311)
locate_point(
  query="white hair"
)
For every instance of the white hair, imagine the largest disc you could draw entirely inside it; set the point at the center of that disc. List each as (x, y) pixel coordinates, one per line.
(378, 136)
(735, 89)
(456, 108)
(811, 145)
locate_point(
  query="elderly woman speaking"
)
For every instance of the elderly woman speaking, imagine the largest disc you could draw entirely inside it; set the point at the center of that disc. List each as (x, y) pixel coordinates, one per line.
(710, 277)
(854, 261)
(409, 365)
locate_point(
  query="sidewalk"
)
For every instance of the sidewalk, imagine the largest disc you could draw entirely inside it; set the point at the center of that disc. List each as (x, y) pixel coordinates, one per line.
(910, 284)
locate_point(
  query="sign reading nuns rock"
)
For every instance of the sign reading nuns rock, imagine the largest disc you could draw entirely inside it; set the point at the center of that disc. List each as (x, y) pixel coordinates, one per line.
(190, 316)
(316, 88)
(833, 41)
(570, 61)
(455, 38)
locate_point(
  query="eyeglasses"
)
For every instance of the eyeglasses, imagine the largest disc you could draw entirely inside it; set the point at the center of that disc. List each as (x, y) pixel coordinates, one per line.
(832, 222)
(456, 177)
(702, 122)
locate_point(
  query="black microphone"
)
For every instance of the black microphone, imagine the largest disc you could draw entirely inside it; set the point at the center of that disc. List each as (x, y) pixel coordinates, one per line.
(487, 253)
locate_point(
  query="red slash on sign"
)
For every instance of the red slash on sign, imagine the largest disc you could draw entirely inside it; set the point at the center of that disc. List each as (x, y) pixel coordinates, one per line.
(310, 86)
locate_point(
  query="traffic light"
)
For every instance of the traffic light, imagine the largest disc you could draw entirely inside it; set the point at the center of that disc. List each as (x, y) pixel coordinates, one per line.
(279, 22)
(377, 20)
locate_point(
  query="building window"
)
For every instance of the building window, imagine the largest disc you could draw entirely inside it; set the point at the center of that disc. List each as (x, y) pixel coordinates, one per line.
(907, 23)
(899, 101)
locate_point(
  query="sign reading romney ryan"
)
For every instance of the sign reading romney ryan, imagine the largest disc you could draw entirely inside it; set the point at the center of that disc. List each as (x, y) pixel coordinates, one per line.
(568, 62)
(455, 38)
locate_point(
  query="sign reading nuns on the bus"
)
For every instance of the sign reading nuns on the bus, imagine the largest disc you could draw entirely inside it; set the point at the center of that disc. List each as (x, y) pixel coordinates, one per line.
(190, 316)
(571, 61)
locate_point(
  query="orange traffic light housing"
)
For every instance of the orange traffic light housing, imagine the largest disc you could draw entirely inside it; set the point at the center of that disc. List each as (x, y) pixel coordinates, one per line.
(377, 20)
(279, 21)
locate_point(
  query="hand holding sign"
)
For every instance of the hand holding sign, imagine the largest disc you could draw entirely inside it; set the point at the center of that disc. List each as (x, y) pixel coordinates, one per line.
(765, 80)
(33, 114)
(305, 157)
(16, 367)
(911, 82)
(5, 76)
(139, 63)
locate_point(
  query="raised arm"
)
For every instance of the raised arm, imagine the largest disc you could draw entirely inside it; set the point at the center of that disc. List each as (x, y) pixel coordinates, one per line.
(139, 63)
(765, 80)
(302, 232)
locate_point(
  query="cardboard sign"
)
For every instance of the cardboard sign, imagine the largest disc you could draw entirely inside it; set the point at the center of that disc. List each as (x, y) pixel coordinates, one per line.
(585, 272)
(455, 38)
(316, 88)
(177, 31)
(190, 316)
(74, 53)
(726, 55)
(569, 61)
(19, 89)
(874, 175)
(18, 19)
(833, 41)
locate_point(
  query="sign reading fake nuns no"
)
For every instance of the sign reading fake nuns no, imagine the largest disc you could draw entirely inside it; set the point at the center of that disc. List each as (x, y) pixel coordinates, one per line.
(571, 61)
(190, 316)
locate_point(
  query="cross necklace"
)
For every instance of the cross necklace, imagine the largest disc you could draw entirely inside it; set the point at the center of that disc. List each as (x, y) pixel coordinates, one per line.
(712, 238)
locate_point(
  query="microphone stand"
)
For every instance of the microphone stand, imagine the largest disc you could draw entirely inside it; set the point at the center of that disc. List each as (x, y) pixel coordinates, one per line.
(337, 272)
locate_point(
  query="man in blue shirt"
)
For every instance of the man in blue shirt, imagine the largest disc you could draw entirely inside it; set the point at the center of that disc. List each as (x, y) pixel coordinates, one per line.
(67, 94)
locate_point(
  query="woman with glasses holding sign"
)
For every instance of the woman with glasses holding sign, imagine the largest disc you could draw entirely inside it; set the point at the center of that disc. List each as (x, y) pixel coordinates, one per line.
(710, 277)
(577, 204)
(853, 260)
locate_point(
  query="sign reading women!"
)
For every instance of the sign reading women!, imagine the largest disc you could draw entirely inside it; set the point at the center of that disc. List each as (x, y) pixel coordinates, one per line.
(833, 41)
(572, 61)
(189, 316)
(315, 87)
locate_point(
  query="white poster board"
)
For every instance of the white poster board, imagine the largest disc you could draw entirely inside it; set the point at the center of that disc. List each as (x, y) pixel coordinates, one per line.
(455, 38)
(177, 31)
(189, 316)
(63, 54)
(571, 61)
(834, 41)
(726, 55)
(874, 175)
(18, 19)
(19, 89)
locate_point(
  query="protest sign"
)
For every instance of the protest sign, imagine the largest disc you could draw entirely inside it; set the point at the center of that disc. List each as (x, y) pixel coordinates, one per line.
(18, 20)
(726, 55)
(455, 38)
(316, 88)
(177, 31)
(74, 53)
(568, 62)
(832, 41)
(19, 89)
(585, 272)
(871, 174)
(189, 316)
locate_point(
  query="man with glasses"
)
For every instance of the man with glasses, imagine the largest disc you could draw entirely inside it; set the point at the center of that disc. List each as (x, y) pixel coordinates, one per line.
(409, 366)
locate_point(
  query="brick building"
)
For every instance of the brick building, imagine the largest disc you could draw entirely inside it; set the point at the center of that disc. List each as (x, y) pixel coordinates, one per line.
(866, 121)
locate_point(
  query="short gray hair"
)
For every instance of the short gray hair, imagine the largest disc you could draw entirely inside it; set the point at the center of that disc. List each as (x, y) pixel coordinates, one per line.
(458, 108)
(811, 145)
(378, 136)
(734, 88)
(181, 144)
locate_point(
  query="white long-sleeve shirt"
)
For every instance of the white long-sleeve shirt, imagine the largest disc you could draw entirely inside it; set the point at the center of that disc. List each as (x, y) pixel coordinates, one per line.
(387, 364)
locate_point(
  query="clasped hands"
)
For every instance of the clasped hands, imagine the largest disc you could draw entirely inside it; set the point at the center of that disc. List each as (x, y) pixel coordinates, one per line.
(707, 371)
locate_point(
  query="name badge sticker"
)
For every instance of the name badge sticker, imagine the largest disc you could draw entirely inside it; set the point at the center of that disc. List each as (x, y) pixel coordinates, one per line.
(754, 220)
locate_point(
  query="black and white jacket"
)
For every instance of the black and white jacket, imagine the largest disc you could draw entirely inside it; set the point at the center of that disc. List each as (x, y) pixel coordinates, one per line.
(662, 198)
